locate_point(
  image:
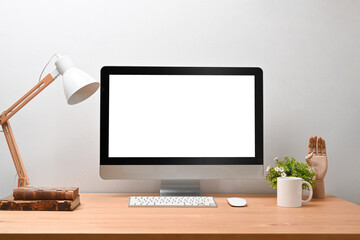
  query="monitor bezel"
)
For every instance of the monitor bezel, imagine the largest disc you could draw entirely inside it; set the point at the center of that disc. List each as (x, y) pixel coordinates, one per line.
(106, 71)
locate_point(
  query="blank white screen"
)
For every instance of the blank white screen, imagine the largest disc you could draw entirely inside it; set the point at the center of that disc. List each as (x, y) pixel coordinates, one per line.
(181, 116)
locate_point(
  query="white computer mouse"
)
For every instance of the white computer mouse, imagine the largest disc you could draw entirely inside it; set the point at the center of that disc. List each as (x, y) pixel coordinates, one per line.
(236, 202)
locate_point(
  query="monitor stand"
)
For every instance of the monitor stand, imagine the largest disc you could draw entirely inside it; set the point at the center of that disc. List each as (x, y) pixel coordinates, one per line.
(180, 188)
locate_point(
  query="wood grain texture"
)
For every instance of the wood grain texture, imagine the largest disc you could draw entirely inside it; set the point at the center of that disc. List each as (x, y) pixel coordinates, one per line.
(107, 216)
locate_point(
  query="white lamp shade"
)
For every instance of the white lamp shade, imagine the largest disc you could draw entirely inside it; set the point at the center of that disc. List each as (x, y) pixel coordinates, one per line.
(78, 86)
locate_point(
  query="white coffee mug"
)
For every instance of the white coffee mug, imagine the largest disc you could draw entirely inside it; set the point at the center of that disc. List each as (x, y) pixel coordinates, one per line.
(289, 191)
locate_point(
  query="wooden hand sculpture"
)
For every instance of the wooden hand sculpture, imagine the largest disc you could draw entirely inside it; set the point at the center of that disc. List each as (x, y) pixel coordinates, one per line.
(317, 159)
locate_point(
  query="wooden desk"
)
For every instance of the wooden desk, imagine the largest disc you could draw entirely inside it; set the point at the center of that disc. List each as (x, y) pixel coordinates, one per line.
(107, 216)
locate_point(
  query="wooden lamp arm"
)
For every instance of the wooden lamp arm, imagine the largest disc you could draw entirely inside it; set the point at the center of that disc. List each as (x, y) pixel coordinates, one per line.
(23, 179)
(11, 111)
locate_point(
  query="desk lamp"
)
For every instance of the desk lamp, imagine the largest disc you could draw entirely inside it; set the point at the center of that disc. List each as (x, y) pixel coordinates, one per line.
(78, 86)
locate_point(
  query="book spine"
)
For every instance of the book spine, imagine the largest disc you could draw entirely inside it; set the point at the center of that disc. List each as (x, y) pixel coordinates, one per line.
(44, 195)
(40, 205)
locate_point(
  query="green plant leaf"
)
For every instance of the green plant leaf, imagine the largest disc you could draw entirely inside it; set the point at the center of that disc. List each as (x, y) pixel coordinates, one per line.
(292, 168)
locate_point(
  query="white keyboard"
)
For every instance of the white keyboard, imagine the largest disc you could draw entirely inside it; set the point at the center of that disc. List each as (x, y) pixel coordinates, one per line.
(156, 201)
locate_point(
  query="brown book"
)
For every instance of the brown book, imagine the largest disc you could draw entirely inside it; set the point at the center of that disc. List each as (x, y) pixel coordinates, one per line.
(45, 193)
(39, 205)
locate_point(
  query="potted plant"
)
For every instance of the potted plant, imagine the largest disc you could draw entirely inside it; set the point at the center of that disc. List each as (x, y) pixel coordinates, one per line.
(290, 168)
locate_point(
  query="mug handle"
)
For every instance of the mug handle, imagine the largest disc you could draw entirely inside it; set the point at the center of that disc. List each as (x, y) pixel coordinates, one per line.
(311, 191)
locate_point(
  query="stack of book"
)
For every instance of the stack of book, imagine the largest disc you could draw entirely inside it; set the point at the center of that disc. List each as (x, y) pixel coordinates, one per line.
(42, 199)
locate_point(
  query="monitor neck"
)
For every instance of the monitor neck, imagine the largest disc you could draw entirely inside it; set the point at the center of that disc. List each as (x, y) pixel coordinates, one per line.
(180, 188)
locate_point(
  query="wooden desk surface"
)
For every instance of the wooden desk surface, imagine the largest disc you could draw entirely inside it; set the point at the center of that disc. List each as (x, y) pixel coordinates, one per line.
(107, 216)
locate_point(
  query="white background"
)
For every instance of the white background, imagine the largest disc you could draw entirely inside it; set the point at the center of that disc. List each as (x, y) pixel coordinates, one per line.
(181, 116)
(309, 51)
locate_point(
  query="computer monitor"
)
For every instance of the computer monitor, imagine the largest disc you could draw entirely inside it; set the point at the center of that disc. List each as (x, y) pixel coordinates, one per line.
(181, 123)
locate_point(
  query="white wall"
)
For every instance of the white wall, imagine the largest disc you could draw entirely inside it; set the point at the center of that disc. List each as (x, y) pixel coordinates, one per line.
(309, 52)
